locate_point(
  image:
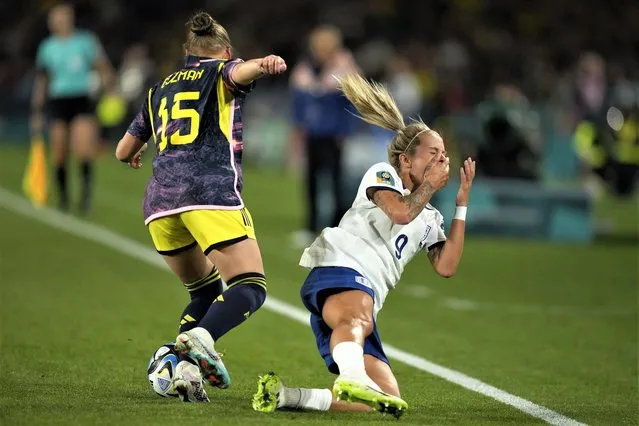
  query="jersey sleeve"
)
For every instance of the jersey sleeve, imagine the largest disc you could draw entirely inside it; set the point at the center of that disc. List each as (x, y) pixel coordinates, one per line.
(236, 89)
(381, 176)
(141, 126)
(436, 236)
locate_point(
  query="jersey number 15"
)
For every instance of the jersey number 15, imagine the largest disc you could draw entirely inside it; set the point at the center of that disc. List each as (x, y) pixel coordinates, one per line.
(179, 113)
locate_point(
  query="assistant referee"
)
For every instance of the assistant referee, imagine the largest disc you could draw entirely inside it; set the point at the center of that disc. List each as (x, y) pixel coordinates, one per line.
(64, 63)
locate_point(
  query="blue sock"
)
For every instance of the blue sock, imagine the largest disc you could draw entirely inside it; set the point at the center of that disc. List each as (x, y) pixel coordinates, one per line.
(245, 295)
(203, 292)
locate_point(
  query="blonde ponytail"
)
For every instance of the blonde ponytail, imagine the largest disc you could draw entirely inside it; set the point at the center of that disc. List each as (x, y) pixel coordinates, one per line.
(374, 103)
(376, 106)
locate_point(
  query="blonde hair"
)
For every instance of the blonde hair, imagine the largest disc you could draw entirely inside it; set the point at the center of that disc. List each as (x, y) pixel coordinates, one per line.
(376, 106)
(205, 35)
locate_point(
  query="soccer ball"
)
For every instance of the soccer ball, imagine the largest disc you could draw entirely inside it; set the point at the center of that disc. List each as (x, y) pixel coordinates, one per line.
(161, 370)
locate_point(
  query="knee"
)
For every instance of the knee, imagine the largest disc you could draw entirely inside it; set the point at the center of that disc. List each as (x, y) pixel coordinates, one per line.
(351, 309)
(253, 285)
(205, 289)
(58, 136)
(58, 149)
(357, 319)
(84, 125)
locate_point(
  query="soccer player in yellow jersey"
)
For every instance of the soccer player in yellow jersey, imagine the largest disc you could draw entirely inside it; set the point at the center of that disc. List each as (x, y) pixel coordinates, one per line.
(193, 208)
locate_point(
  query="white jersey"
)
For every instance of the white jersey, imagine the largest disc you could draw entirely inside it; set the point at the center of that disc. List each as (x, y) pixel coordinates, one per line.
(367, 241)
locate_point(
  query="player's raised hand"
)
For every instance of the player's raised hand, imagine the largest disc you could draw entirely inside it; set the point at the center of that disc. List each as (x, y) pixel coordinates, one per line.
(136, 161)
(467, 175)
(272, 64)
(436, 172)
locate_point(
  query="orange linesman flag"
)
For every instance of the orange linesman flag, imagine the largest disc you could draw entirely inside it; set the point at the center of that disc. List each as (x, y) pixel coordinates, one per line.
(35, 183)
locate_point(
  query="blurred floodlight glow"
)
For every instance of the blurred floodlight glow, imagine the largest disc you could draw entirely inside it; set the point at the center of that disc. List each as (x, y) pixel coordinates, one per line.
(615, 118)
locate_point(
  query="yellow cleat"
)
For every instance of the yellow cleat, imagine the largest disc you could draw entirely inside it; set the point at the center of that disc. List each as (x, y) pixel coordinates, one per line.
(267, 396)
(354, 391)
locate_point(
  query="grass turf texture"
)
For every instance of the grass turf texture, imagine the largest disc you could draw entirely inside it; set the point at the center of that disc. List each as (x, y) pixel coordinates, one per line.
(555, 324)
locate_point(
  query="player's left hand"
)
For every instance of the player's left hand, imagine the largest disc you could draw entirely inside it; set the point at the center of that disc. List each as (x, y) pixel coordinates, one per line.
(273, 64)
(467, 175)
(136, 161)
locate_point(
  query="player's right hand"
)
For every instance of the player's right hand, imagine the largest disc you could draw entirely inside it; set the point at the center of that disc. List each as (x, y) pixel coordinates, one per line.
(273, 64)
(467, 175)
(436, 172)
(136, 161)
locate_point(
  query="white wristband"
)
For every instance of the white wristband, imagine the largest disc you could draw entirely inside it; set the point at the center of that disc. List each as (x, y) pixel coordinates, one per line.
(460, 213)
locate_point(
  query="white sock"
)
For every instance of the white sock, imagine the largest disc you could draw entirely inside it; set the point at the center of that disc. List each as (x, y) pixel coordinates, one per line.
(305, 399)
(349, 357)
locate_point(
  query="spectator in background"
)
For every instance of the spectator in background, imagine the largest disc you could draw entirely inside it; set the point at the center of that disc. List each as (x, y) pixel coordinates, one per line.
(64, 63)
(136, 74)
(426, 74)
(506, 151)
(453, 61)
(609, 147)
(591, 88)
(403, 85)
(606, 134)
(321, 121)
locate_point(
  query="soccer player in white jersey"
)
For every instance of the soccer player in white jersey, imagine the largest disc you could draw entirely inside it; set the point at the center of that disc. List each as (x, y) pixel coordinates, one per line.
(354, 266)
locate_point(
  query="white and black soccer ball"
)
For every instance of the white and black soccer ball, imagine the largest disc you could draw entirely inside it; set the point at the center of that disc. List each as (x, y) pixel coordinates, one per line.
(161, 370)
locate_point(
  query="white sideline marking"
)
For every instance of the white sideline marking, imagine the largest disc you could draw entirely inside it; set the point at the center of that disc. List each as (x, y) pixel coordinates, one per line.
(456, 304)
(459, 304)
(418, 291)
(131, 248)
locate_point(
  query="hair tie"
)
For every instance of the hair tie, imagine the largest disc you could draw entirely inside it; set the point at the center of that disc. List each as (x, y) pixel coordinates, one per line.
(414, 137)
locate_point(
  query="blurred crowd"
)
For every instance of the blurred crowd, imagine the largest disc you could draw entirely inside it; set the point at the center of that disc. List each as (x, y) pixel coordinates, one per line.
(495, 60)
(458, 50)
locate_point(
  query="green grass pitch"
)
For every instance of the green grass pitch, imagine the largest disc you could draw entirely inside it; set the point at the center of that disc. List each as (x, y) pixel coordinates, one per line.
(554, 324)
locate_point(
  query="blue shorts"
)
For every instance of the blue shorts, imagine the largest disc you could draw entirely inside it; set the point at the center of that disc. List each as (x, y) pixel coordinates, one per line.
(319, 285)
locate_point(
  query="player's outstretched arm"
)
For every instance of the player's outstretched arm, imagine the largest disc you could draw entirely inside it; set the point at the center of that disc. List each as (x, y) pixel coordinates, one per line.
(445, 257)
(402, 209)
(246, 72)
